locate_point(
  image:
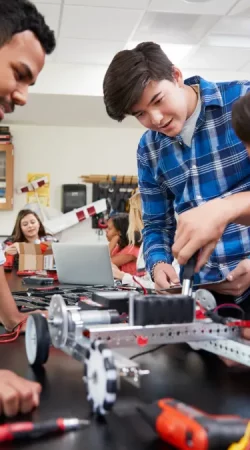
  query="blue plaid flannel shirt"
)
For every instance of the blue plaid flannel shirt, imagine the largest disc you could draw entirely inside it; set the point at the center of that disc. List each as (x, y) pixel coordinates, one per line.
(174, 177)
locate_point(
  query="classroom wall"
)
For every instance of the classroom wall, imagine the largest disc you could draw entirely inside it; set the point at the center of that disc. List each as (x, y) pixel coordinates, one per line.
(66, 153)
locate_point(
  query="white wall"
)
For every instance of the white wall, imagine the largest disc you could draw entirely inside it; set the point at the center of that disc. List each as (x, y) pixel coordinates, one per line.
(66, 153)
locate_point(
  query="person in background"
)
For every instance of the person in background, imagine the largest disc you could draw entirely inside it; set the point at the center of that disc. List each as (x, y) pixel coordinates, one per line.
(123, 254)
(28, 228)
(135, 228)
(241, 121)
(25, 39)
(241, 126)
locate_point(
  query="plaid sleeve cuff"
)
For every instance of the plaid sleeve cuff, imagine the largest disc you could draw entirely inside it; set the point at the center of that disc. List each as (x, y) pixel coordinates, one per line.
(156, 258)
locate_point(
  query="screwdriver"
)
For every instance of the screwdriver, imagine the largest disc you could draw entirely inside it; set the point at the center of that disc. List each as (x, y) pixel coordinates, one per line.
(188, 275)
(29, 430)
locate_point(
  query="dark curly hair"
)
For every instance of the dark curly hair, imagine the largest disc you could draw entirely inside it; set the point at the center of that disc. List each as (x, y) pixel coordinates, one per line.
(121, 223)
(17, 16)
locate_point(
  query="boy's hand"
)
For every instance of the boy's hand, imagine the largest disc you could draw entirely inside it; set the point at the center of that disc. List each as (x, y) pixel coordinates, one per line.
(229, 362)
(238, 281)
(200, 228)
(246, 333)
(165, 276)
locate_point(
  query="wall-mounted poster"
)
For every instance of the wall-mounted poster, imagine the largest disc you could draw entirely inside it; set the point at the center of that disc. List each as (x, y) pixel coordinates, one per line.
(42, 192)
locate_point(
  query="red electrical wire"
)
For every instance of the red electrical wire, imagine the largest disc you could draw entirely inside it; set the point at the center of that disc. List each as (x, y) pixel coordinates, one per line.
(145, 292)
(13, 335)
(229, 305)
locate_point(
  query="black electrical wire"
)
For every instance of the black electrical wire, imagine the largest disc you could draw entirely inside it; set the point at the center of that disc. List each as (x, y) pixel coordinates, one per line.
(152, 350)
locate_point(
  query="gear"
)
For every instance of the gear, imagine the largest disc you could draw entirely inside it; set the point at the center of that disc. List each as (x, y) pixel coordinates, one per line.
(100, 377)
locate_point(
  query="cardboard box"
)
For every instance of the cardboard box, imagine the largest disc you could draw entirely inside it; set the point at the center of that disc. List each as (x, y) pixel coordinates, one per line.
(31, 257)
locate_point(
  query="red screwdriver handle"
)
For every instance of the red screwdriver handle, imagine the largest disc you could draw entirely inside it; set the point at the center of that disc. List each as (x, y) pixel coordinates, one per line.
(9, 432)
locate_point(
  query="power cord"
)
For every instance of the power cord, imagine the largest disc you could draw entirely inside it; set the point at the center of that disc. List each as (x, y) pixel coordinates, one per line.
(230, 306)
(230, 321)
(145, 292)
(12, 335)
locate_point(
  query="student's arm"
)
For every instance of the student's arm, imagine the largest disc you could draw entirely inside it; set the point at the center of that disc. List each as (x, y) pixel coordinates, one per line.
(239, 208)
(113, 243)
(159, 225)
(118, 274)
(121, 259)
(9, 314)
(202, 227)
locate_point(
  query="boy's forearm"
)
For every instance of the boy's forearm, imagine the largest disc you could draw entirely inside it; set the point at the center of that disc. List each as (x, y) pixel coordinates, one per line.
(238, 208)
(9, 314)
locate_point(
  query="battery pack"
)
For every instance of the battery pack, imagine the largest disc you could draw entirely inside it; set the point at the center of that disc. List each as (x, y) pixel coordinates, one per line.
(118, 300)
(163, 309)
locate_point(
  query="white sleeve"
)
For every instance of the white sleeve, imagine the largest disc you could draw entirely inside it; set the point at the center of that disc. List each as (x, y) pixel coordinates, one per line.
(145, 281)
(2, 257)
(127, 279)
(140, 263)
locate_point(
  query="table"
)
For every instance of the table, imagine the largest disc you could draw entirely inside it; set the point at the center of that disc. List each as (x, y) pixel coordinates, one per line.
(15, 282)
(196, 378)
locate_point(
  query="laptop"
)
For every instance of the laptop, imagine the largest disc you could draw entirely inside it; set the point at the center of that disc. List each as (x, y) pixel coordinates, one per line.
(83, 264)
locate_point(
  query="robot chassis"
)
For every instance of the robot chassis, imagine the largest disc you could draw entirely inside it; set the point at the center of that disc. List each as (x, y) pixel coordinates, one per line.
(89, 335)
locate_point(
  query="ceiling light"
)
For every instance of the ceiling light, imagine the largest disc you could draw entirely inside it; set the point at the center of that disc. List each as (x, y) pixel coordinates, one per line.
(196, 1)
(175, 52)
(228, 41)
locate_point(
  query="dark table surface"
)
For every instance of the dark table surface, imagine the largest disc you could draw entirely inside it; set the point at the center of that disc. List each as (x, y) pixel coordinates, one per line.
(197, 378)
(16, 283)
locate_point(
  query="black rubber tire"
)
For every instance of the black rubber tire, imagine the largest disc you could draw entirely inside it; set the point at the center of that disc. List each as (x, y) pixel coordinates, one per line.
(43, 339)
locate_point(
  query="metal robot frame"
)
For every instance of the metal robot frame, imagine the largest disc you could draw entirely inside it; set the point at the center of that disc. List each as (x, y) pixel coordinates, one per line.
(93, 338)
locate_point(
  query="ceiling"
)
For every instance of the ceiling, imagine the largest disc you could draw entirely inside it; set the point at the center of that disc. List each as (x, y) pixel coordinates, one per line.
(206, 37)
(195, 34)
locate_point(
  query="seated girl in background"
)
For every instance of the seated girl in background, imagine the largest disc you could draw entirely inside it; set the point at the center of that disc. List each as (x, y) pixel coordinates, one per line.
(123, 254)
(135, 228)
(28, 228)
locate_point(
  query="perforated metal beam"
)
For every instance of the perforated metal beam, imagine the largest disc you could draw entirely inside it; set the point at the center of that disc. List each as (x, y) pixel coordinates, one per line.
(127, 336)
(236, 349)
